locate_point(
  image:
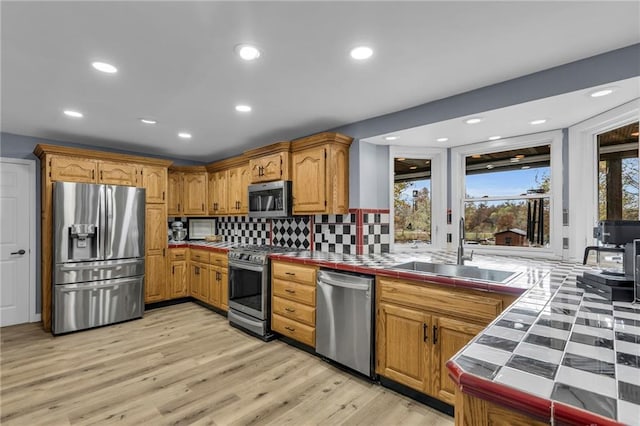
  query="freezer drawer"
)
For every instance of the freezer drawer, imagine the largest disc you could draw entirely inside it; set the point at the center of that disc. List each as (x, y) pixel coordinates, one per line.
(87, 305)
(72, 273)
(344, 320)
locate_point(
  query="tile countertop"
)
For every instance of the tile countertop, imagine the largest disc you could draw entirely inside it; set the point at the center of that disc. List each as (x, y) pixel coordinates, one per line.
(558, 354)
(204, 245)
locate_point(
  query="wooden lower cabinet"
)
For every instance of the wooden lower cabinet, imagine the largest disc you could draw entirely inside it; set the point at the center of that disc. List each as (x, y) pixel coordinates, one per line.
(293, 301)
(178, 270)
(199, 281)
(209, 278)
(473, 411)
(155, 278)
(415, 337)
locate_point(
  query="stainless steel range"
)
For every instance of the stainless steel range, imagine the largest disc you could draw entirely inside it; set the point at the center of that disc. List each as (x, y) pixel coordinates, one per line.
(250, 288)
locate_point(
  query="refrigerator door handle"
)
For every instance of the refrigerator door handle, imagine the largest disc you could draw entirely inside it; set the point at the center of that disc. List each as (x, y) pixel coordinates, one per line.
(102, 237)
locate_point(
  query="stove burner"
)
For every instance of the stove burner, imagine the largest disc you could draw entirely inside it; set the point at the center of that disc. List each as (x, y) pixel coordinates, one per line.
(257, 254)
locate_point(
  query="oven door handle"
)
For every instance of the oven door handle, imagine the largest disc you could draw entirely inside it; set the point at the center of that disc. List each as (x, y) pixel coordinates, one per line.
(255, 268)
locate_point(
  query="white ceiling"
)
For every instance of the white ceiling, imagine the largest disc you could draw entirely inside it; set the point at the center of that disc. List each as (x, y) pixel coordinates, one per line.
(560, 111)
(176, 64)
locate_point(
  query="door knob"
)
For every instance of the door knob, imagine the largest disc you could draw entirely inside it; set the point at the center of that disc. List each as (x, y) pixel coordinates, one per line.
(20, 252)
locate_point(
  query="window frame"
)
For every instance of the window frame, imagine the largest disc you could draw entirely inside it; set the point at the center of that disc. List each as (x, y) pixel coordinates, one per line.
(438, 158)
(458, 185)
(583, 167)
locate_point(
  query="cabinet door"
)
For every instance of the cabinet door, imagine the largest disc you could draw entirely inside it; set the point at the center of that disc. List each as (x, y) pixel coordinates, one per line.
(154, 180)
(155, 237)
(178, 276)
(448, 337)
(403, 345)
(214, 286)
(309, 181)
(117, 173)
(339, 203)
(195, 271)
(174, 200)
(218, 192)
(205, 283)
(155, 278)
(255, 166)
(224, 289)
(243, 189)
(267, 168)
(194, 193)
(234, 190)
(72, 169)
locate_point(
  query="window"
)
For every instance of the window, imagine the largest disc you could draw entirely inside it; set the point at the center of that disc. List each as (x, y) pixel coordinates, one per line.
(618, 173)
(507, 200)
(510, 193)
(412, 200)
(417, 197)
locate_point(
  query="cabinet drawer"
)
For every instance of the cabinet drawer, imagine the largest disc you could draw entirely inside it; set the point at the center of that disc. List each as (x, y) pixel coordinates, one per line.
(294, 330)
(292, 272)
(293, 310)
(454, 302)
(293, 291)
(199, 256)
(178, 254)
(219, 259)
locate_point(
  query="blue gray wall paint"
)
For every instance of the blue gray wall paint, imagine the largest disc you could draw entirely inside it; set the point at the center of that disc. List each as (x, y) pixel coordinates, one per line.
(18, 146)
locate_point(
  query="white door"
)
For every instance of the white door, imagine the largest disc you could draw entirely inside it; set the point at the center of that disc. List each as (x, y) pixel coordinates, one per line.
(15, 216)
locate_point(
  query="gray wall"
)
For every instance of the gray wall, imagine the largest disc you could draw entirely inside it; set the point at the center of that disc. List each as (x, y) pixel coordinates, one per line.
(18, 146)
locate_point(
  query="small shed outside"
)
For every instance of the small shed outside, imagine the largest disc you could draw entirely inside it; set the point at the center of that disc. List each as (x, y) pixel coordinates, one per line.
(511, 237)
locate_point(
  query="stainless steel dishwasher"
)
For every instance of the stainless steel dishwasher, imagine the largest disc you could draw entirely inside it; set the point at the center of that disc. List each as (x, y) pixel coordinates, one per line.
(344, 319)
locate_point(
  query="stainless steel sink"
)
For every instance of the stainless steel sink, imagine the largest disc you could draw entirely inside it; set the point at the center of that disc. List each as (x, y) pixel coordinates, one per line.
(459, 271)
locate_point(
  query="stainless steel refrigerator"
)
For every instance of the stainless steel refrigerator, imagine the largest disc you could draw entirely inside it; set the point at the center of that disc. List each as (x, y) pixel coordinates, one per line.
(98, 249)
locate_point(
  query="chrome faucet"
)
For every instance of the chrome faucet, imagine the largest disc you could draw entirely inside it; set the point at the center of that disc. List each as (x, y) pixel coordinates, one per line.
(461, 256)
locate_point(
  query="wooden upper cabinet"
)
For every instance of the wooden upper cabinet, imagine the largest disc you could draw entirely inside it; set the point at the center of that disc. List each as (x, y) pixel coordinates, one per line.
(270, 167)
(239, 178)
(174, 198)
(117, 173)
(217, 192)
(154, 180)
(194, 193)
(269, 163)
(73, 169)
(320, 174)
(309, 186)
(187, 192)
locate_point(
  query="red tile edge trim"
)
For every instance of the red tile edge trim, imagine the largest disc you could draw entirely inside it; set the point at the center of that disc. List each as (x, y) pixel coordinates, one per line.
(568, 415)
(516, 400)
(513, 399)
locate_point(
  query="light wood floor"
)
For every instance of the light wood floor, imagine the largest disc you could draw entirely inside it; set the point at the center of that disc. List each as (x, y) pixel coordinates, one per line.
(183, 364)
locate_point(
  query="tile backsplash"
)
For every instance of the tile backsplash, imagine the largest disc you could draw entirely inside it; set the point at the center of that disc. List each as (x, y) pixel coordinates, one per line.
(361, 231)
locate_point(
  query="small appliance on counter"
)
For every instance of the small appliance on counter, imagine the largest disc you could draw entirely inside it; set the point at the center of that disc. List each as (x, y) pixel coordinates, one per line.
(178, 233)
(613, 281)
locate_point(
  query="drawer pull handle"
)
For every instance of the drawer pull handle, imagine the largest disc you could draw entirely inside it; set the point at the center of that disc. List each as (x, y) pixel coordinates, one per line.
(290, 329)
(435, 334)
(289, 310)
(288, 290)
(425, 336)
(290, 273)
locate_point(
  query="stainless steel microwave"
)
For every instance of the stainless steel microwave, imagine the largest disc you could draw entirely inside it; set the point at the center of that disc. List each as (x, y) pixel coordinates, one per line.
(271, 199)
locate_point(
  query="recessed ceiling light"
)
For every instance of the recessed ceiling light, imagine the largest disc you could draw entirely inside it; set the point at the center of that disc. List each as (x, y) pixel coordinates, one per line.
(243, 108)
(526, 167)
(247, 52)
(635, 134)
(401, 159)
(361, 52)
(104, 67)
(494, 138)
(427, 162)
(476, 156)
(602, 92)
(184, 135)
(489, 166)
(413, 167)
(519, 156)
(514, 160)
(390, 138)
(473, 120)
(74, 114)
(536, 122)
(442, 139)
(148, 121)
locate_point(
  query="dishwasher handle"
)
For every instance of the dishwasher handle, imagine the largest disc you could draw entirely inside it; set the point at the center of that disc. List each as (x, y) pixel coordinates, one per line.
(345, 284)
